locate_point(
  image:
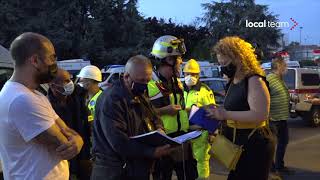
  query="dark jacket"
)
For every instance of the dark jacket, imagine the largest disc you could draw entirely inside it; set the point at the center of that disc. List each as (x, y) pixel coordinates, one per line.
(75, 114)
(119, 116)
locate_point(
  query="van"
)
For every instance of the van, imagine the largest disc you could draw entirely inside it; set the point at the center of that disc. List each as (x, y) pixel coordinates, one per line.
(303, 84)
(110, 74)
(73, 66)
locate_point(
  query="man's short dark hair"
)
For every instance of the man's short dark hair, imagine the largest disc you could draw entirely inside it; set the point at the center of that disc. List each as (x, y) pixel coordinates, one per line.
(277, 62)
(60, 75)
(26, 45)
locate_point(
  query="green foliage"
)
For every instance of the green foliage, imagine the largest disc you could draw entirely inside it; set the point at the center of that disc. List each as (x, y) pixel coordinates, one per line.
(229, 19)
(110, 31)
(194, 37)
(63, 21)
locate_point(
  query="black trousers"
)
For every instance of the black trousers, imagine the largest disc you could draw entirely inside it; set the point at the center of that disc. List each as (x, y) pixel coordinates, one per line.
(185, 170)
(256, 159)
(103, 170)
(181, 161)
(165, 167)
(83, 170)
(281, 131)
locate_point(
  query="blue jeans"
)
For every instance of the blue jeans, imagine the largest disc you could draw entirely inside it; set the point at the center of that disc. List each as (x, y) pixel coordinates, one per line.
(281, 131)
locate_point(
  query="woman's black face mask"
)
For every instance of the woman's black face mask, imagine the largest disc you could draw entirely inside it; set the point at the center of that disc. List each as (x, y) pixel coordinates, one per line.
(229, 70)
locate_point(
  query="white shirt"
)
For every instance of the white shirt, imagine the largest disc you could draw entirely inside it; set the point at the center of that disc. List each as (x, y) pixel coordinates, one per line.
(25, 114)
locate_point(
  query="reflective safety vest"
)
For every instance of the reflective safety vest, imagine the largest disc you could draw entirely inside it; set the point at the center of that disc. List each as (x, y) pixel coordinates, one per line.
(175, 123)
(92, 104)
(201, 97)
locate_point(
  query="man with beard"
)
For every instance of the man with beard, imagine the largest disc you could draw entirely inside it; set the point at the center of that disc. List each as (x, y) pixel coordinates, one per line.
(34, 142)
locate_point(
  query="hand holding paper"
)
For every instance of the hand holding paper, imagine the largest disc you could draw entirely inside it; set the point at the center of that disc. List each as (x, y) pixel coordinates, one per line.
(199, 116)
(156, 138)
(217, 113)
(172, 109)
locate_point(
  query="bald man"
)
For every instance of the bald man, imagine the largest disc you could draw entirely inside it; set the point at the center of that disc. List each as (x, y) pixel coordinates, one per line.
(121, 112)
(69, 102)
(34, 142)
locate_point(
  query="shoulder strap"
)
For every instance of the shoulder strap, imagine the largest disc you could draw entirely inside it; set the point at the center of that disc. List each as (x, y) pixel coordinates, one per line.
(263, 78)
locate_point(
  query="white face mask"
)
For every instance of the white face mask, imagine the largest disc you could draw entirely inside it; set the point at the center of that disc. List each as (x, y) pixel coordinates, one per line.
(190, 80)
(68, 89)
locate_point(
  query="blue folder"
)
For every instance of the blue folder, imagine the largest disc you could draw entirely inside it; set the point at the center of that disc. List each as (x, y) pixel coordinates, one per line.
(198, 117)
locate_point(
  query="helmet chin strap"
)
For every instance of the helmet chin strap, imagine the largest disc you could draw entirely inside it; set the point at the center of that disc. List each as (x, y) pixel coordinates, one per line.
(164, 62)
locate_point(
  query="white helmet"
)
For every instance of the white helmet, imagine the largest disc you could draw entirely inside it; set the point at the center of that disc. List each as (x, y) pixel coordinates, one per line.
(168, 45)
(91, 72)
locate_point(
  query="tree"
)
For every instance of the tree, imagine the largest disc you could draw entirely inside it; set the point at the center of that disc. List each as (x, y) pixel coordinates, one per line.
(229, 18)
(64, 22)
(194, 37)
(104, 31)
(117, 31)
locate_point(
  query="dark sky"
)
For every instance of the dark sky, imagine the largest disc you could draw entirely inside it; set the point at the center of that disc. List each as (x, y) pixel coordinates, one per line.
(305, 12)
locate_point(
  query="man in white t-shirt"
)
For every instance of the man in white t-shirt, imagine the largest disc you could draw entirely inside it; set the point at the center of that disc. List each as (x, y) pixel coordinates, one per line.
(34, 142)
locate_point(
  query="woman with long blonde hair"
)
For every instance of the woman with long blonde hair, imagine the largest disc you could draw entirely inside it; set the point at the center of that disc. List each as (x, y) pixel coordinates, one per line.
(246, 108)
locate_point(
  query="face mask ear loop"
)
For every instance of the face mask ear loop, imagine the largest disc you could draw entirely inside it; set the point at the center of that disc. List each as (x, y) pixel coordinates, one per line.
(132, 84)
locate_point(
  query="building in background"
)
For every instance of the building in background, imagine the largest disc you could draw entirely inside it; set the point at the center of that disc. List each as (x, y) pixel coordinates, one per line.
(304, 52)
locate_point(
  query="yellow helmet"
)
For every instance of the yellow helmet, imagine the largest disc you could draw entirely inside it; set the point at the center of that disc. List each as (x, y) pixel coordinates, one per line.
(192, 66)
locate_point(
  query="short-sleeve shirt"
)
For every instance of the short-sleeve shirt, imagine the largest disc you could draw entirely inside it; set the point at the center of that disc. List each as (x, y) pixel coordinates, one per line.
(279, 98)
(24, 114)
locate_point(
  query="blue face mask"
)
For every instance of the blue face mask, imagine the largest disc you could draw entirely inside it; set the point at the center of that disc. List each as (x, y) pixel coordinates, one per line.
(138, 88)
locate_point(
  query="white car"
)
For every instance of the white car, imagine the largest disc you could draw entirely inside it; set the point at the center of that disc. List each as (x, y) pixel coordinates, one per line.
(111, 74)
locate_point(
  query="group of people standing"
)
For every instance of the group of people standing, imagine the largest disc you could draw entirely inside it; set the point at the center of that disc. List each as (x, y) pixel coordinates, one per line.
(92, 128)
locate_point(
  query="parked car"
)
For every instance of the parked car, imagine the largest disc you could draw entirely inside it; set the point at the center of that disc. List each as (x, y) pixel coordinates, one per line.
(217, 85)
(303, 85)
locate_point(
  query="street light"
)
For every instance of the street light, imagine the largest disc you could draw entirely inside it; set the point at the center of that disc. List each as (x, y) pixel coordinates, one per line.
(300, 34)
